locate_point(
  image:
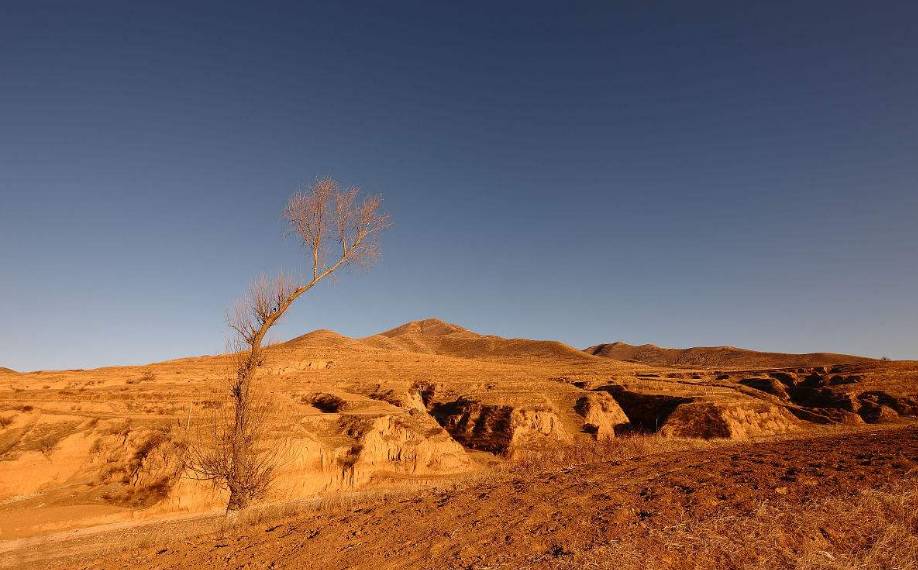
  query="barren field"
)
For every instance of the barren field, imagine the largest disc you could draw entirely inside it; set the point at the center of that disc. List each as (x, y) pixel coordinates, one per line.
(833, 501)
(430, 445)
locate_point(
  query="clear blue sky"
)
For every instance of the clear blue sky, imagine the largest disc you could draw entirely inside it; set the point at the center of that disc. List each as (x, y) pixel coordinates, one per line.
(684, 173)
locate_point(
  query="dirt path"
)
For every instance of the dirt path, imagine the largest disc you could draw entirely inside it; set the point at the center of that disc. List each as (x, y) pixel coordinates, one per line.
(595, 515)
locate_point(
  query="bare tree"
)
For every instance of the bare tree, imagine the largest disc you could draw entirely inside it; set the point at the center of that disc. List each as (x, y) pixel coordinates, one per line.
(232, 447)
(337, 229)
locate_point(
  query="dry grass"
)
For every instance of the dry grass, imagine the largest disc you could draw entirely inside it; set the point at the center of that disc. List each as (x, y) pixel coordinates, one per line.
(47, 444)
(43, 438)
(866, 529)
(147, 376)
(622, 448)
(266, 514)
(870, 529)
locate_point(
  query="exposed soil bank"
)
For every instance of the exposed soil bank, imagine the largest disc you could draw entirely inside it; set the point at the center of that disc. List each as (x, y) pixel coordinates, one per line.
(568, 518)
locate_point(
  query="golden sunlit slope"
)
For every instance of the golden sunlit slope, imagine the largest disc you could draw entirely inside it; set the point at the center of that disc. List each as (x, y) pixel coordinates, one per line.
(323, 338)
(433, 336)
(718, 356)
(425, 400)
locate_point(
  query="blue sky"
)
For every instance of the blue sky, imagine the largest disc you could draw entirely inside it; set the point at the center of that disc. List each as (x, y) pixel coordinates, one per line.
(680, 173)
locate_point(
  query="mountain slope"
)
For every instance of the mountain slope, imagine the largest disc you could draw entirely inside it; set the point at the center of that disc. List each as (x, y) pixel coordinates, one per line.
(433, 336)
(717, 356)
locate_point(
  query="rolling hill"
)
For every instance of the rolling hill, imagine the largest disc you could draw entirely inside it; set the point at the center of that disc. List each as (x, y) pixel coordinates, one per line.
(433, 336)
(427, 400)
(718, 356)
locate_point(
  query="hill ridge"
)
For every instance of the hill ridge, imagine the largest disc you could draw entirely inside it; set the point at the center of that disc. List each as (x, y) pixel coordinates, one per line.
(430, 326)
(718, 356)
(435, 336)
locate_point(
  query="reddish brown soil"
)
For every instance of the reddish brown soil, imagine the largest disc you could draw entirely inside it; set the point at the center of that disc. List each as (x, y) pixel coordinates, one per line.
(611, 514)
(431, 405)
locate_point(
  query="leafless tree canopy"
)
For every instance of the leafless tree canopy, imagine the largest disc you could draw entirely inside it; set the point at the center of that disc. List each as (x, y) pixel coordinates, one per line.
(337, 229)
(327, 215)
(263, 299)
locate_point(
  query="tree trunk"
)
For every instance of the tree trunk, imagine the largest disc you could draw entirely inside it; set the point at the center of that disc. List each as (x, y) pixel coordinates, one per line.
(239, 496)
(237, 500)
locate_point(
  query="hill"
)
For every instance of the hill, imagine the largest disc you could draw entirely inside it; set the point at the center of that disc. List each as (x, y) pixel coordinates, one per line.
(433, 336)
(425, 401)
(718, 356)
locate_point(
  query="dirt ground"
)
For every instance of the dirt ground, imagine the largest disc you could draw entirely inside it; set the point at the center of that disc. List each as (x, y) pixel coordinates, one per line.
(430, 445)
(834, 501)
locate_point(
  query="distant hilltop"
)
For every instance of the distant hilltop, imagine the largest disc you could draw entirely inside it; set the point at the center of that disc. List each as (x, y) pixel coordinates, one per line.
(718, 356)
(438, 337)
(434, 336)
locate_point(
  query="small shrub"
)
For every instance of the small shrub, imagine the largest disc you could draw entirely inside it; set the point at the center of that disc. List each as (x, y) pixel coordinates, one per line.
(147, 376)
(47, 444)
(145, 542)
